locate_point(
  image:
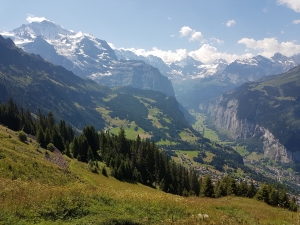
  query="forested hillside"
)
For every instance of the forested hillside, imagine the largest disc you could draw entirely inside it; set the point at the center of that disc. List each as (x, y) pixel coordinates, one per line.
(49, 187)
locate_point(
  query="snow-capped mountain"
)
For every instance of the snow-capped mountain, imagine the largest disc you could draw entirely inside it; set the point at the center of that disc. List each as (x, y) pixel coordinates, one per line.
(187, 68)
(251, 69)
(87, 56)
(237, 72)
(194, 82)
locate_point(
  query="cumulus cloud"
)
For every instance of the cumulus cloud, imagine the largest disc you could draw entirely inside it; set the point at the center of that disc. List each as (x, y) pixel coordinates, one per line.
(206, 54)
(269, 46)
(186, 31)
(292, 4)
(166, 56)
(31, 19)
(230, 23)
(193, 34)
(296, 21)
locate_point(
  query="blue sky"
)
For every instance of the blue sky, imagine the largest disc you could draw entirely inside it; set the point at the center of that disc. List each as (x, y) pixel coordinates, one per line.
(203, 29)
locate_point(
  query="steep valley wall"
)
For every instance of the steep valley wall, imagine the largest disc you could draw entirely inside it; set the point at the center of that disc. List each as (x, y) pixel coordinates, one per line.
(225, 119)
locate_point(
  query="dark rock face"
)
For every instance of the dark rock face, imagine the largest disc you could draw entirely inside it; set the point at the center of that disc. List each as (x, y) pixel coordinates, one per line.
(136, 74)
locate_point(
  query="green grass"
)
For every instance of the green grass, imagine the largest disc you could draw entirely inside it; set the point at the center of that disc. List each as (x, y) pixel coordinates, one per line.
(78, 196)
(255, 156)
(188, 136)
(209, 157)
(241, 150)
(131, 131)
(166, 142)
(200, 126)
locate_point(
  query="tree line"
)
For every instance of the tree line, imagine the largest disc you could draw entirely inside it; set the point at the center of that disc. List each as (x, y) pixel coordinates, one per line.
(133, 160)
(270, 194)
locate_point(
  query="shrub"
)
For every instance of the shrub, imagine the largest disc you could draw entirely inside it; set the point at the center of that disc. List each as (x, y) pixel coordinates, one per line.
(22, 136)
(50, 147)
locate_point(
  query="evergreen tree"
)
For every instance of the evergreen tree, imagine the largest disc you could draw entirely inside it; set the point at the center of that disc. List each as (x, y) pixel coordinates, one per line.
(263, 194)
(92, 138)
(243, 189)
(252, 190)
(40, 137)
(207, 187)
(90, 155)
(293, 205)
(67, 149)
(274, 197)
(283, 199)
(218, 189)
(122, 146)
(75, 147)
(231, 186)
(50, 120)
(83, 148)
(57, 139)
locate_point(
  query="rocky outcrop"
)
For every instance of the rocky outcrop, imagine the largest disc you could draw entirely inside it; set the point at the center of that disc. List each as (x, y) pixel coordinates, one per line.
(225, 119)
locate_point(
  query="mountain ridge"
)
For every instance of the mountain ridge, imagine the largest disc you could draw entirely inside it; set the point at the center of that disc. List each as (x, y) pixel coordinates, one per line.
(35, 83)
(86, 56)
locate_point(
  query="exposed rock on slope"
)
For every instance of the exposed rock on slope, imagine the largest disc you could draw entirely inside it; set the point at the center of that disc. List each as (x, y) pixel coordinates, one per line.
(268, 110)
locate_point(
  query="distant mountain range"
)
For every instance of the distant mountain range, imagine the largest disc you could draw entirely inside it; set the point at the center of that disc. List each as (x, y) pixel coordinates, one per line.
(194, 83)
(87, 56)
(34, 83)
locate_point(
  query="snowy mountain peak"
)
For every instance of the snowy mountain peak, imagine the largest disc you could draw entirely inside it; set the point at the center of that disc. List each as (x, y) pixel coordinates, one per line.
(254, 61)
(188, 61)
(220, 61)
(45, 28)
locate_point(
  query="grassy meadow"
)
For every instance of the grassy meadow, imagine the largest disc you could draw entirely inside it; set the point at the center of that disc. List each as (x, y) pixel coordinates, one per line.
(35, 191)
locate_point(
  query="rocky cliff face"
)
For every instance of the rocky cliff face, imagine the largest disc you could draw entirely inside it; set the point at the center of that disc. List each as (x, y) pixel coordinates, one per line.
(225, 117)
(136, 74)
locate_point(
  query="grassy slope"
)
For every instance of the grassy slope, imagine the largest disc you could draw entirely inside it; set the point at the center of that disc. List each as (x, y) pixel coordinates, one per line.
(33, 190)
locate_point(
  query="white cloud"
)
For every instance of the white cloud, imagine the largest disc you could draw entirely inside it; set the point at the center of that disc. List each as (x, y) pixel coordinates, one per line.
(172, 35)
(169, 18)
(186, 31)
(230, 23)
(194, 35)
(269, 46)
(197, 36)
(265, 10)
(296, 21)
(166, 56)
(207, 54)
(292, 4)
(31, 18)
(216, 40)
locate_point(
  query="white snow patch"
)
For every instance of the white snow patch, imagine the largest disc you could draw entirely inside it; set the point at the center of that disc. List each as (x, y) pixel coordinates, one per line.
(96, 75)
